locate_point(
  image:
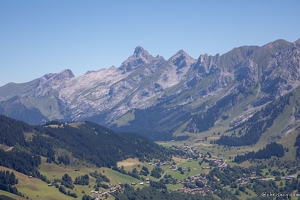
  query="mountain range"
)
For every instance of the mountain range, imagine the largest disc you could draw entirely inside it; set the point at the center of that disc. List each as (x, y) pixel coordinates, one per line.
(158, 97)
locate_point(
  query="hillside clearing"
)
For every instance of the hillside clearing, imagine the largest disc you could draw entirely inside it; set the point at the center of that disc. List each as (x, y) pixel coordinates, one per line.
(128, 162)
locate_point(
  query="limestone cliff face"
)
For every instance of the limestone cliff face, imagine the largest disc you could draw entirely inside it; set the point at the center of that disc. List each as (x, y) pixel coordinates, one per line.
(248, 72)
(283, 71)
(50, 81)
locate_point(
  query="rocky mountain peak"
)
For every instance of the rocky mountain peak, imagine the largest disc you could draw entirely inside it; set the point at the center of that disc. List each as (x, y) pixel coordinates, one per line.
(203, 58)
(283, 71)
(181, 52)
(140, 51)
(65, 74)
(139, 58)
(182, 58)
(297, 42)
(48, 81)
(205, 62)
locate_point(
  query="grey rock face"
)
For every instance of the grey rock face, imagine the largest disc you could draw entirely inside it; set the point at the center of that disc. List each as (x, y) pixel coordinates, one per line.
(143, 81)
(248, 72)
(138, 59)
(50, 81)
(283, 71)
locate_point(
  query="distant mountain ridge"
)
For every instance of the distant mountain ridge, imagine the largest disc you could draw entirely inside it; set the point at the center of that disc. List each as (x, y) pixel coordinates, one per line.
(158, 97)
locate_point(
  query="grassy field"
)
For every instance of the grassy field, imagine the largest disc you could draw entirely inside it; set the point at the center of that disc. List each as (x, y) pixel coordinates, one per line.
(129, 164)
(7, 194)
(35, 188)
(5, 147)
(116, 177)
(124, 120)
(173, 187)
(289, 142)
(53, 171)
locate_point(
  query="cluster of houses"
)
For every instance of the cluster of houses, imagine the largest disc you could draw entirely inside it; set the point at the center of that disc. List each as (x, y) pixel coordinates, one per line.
(193, 179)
(201, 190)
(195, 190)
(220, 163)
(159, 163)
(189, 151)
(147, 181)
(112, 189)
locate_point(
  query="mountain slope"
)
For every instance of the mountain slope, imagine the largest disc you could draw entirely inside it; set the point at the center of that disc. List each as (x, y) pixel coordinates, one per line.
(84, 142)
(159, 97)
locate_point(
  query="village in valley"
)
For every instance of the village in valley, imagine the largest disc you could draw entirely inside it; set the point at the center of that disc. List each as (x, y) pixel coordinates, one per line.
(196, 183)
(186, 172)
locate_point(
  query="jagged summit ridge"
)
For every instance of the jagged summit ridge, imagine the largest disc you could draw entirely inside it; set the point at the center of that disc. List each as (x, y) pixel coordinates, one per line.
(139, 58)
(50, 81)
(180, 85)
(140, 51)
(181, 58)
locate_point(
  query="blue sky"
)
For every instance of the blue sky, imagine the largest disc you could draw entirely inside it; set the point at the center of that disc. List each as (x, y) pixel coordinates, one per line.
(48, 36)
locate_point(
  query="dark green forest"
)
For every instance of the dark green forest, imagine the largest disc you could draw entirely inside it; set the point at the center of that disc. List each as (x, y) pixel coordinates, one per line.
(93, 143)
(272, 149)
(7, 182)
(297, 144)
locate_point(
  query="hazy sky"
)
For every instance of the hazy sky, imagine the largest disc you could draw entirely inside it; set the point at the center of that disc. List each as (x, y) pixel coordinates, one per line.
(40, 37)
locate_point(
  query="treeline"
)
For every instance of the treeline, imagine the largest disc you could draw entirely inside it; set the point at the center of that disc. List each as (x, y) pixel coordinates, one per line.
(7, 180)
(63, 190)
(256, 125)
(20, 161)
(87, 197)
(272, 149)
(297, 144)
(156, 172)
(134, 173)
(12, 131)
(99, 177)
(22, 157)
(102, 146)
(40, 145)
(82, 180)
(66, 181)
